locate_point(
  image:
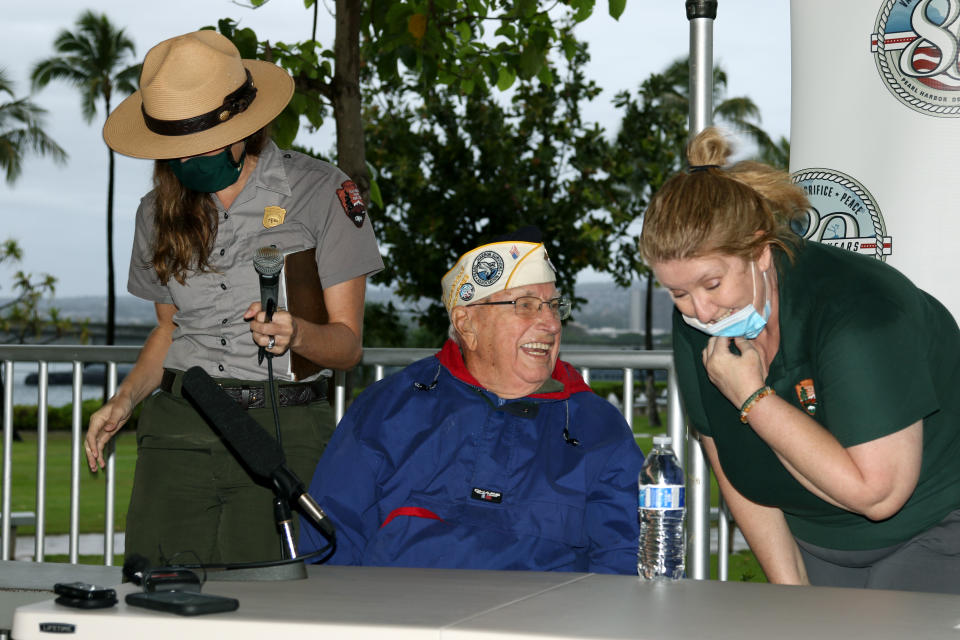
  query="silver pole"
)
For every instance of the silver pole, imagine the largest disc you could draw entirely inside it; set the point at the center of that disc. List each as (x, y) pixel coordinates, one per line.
(628, 396)
(723, 546)
(6, 551)
(339, 395)
(110, 487)
(42, 411)
(75, 448)
(701, 14)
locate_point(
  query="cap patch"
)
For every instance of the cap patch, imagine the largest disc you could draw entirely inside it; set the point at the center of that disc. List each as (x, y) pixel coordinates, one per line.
(352, 203)
(466, 292)
(487, 268)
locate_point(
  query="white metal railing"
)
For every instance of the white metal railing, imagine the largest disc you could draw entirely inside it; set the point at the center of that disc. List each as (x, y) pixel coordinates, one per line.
(698, 486)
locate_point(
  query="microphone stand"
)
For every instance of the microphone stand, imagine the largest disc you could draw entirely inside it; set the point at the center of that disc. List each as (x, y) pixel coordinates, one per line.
(281, 511)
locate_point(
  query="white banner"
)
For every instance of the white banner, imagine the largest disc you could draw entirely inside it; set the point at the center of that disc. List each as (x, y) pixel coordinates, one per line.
(875, 131)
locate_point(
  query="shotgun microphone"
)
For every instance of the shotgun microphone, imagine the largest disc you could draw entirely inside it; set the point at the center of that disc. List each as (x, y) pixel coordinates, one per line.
(252, 444)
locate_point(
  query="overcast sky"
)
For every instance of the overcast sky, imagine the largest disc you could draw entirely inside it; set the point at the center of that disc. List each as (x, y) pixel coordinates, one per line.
(58, 213)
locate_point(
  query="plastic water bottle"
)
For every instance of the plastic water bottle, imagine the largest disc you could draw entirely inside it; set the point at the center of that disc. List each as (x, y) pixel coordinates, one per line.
(661, 509)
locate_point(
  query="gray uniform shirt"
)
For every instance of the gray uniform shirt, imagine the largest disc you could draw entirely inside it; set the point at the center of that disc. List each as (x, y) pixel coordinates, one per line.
(321, 212)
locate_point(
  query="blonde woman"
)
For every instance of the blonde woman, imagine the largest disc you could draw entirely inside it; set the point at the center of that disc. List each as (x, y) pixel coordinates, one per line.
(821, 382)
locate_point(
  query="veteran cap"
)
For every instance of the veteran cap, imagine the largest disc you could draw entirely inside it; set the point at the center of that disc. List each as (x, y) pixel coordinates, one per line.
(512, 260)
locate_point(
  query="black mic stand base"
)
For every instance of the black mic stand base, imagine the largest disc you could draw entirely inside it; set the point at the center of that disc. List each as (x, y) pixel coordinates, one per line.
(294, 570)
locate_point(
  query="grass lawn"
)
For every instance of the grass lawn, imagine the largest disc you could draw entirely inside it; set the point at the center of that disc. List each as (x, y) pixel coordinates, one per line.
(92, 486)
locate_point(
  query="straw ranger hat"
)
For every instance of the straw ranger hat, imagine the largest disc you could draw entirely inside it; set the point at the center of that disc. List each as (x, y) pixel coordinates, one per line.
(196, 95)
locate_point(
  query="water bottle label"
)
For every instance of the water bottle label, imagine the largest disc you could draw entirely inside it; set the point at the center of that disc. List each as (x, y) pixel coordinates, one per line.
(662, 497)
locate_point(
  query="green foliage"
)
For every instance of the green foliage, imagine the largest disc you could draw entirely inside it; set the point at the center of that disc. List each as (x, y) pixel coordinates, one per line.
(456, 171)
(310, 66)
(21, 132)
(654, 131)
(776, 154)
(467, 46)
(20, 316)
(92, 59)
(382, 327)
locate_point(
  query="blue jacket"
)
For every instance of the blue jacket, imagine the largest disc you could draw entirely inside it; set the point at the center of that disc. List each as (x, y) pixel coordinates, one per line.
(428, 469)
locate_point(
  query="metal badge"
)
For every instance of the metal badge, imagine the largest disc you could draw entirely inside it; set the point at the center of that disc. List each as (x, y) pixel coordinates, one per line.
(273, 216)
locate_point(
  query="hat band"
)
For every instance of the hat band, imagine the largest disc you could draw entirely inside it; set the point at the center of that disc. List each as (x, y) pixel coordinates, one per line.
(235, 102)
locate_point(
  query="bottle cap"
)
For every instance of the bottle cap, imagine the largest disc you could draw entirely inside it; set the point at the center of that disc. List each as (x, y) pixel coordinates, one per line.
(662, 441)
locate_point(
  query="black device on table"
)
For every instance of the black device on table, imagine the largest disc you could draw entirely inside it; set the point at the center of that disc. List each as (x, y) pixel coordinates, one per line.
(184, 603)
(81, 595)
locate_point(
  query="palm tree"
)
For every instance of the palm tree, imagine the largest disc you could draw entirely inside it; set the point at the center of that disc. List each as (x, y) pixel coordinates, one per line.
(650, 148)
(739, 113)
(92, 59)
(21, 131)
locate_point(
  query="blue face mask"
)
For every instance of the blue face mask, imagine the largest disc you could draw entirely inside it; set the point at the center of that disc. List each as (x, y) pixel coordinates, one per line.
(745, 323)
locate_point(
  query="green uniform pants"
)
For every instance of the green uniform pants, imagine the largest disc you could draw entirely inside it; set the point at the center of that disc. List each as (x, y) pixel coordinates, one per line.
(193, 501)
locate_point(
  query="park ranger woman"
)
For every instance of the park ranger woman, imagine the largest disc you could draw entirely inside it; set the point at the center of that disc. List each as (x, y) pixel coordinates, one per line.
(223, 190)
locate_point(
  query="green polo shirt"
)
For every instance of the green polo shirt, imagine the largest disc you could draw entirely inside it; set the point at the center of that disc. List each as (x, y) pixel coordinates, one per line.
(865, 353)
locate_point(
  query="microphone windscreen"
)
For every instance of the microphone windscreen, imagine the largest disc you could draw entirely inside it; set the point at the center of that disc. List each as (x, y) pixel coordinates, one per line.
(268, 261)
(134, 567)
(255, 447)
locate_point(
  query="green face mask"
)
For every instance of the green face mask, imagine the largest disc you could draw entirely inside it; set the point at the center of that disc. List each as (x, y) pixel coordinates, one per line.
(208, 174)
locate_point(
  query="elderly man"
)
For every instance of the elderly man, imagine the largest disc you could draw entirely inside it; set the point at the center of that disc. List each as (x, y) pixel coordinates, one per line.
(492, 454)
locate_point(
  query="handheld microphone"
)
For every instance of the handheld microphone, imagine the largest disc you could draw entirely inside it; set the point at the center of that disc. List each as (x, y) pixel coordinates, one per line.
(252, 444)
(268, 261)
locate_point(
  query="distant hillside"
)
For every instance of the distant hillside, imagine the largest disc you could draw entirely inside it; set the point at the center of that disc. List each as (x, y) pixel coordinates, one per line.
(610, 306)
(607, 306)
(130, 310)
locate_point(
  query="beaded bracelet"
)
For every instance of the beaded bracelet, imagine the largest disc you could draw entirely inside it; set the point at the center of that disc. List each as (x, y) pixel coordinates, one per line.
(762, 392)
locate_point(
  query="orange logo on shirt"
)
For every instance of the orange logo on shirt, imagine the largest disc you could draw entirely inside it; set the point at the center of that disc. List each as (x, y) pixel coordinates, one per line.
(807, 396)
(352, 202)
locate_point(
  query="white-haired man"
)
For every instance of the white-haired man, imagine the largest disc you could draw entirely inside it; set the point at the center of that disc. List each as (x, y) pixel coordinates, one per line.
(492, 454)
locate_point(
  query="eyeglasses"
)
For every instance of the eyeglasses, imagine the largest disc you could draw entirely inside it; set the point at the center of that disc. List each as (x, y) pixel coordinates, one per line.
(530, 306)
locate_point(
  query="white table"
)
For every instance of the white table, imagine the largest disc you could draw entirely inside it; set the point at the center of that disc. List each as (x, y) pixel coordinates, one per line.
(25, 582)
(369, 602)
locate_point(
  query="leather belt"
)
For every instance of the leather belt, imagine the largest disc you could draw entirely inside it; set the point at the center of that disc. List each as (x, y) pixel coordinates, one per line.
(253, 395)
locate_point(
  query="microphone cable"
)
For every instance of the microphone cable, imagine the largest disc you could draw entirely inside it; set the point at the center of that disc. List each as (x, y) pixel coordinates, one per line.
(273, 399)
(262, 564)
(135, 568)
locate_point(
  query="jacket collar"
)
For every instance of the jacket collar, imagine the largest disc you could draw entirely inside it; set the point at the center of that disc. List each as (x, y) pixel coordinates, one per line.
(563, 374)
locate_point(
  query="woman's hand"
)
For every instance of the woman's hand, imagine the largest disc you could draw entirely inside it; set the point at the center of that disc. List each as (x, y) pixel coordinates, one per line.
(736, 376)
(139, 383)
(276, 336)
(104, 424)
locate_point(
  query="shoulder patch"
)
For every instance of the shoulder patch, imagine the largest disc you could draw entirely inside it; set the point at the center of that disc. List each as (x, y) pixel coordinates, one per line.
(352, 203)
(807, 395)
